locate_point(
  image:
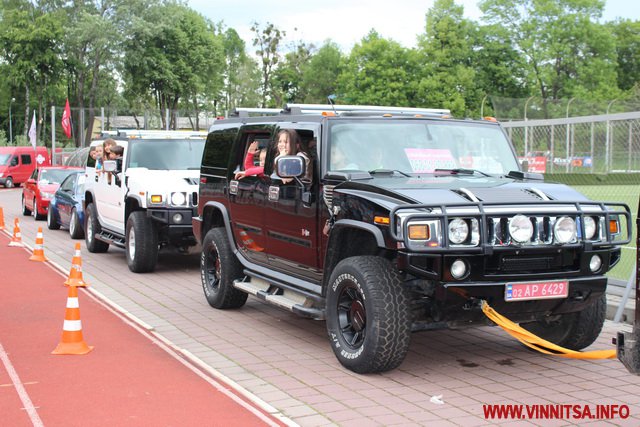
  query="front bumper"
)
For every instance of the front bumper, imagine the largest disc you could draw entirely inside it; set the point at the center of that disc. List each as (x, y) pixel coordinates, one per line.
(173, 231)
(460, 304)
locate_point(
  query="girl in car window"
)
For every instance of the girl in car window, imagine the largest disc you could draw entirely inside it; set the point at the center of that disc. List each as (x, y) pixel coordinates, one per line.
(249, 168)
(288, 143)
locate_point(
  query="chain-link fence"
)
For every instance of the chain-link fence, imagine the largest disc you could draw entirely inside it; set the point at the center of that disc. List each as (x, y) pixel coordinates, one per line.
(597, 155)
(590, 144)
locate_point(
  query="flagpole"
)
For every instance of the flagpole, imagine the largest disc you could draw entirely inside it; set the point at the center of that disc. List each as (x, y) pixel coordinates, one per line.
(53, 133)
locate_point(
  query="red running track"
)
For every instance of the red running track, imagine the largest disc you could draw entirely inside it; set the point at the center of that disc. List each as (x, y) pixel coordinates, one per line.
(127, 380)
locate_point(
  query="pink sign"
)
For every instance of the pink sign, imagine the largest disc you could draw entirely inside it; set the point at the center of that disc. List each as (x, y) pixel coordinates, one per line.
(429, 159)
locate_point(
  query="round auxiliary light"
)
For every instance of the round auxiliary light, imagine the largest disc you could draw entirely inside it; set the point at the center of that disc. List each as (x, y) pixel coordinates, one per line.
(589, 227)
(458, 231)
(564, 229)
(458, 269)
(178, 198)
(595, 263)
(177, 218)
(520, 228)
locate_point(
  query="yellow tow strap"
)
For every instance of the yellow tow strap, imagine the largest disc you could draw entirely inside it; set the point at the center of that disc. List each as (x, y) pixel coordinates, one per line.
(539, 344)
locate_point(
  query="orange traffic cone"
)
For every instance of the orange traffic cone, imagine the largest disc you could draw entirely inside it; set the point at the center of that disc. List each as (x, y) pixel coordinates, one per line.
(75, 274)
(249, 243)
(16, 240)
(72, 341)
(38, 249)
(1, 219)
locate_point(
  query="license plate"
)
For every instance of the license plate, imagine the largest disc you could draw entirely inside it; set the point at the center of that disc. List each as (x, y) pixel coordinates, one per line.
(536, 290)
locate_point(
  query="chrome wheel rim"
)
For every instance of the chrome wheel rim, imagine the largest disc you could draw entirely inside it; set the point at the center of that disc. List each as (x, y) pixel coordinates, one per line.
(132, 243)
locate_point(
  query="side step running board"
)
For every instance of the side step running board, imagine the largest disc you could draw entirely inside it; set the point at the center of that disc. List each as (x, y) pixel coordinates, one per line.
(111, 239)
(283, 298)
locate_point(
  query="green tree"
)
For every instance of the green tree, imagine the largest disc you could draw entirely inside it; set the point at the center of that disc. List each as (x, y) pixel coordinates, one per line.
(29, 46)
(241, 75)
(173, 54)
(287, 78)
(499, 69)
(448, 77)
(379, 72)
(567, 53)
(90, 52)
(321, 74)
(267, 44)
(627, 35)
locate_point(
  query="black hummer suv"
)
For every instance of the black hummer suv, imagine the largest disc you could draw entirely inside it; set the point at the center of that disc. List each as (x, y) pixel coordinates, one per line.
(408, 221)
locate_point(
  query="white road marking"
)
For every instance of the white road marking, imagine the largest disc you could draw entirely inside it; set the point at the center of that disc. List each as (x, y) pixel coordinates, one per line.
(22, 393)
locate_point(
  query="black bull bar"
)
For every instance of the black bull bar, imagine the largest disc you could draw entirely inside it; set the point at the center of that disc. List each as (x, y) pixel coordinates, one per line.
(627, 343)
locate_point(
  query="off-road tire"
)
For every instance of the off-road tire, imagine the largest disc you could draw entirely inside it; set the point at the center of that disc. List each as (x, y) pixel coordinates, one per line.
(36, 214)
(25, 210)
(92, 228)
(368, 315)
(8, 183)
(574, 331)
(76, 230)
(141, 244)
(52, 221)
(218, 269)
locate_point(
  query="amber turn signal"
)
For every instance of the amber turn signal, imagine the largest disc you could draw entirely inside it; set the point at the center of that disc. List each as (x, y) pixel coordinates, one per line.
(382, 220)
(613, 226)
(419, 232)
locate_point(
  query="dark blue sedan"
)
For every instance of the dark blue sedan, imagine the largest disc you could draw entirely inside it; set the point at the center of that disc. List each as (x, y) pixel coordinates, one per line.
(65, 209)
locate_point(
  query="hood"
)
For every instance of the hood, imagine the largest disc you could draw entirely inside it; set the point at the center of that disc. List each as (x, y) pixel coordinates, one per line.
(390, 191)
(165, 180)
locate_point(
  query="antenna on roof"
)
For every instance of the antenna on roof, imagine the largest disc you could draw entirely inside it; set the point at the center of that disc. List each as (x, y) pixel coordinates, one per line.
(331, 98)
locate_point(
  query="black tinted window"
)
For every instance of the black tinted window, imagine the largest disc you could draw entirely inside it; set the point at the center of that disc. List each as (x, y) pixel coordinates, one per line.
(216, 152)
(26, 159)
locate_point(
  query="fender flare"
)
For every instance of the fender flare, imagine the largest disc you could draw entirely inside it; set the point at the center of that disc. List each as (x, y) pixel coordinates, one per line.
(225, 217)
(350, 223)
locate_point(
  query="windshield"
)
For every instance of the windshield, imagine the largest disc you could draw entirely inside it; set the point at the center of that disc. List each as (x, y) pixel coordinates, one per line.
(166, 154)
(4, 159)
(416, 147)
(55, 176)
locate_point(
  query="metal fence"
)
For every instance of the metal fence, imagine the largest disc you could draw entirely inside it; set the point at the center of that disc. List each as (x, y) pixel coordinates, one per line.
(605, 143)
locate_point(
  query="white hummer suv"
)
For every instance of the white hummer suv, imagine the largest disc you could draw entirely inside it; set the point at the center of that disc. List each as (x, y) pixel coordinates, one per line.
(146, 199)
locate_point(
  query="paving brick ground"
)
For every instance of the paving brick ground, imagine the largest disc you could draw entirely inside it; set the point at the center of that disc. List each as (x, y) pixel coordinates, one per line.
(286, 362)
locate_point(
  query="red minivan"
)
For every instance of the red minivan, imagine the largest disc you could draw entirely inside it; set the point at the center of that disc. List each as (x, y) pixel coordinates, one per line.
(18, 163)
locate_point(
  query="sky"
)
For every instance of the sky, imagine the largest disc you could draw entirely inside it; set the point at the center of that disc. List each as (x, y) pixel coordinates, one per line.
(346, 22)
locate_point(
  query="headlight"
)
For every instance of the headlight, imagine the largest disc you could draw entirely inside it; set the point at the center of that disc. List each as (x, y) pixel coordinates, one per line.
(458, 231)
(564, 229)
(178, 199)
(520, 228)
(589, 227)
(1, 174)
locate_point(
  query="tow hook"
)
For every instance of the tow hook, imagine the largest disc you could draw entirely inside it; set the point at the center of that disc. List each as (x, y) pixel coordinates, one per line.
(472, 304)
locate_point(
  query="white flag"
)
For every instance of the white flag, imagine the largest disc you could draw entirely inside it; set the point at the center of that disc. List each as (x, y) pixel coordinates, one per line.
(32, 131)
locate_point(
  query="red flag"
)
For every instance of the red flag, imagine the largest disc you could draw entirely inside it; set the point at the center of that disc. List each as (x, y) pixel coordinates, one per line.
(66, 120)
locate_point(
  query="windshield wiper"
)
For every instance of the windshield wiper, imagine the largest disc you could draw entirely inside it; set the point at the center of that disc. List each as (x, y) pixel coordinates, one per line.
(461, 171)
(389, 172)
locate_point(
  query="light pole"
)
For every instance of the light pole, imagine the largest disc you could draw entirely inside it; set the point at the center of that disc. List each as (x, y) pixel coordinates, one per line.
(10, 122)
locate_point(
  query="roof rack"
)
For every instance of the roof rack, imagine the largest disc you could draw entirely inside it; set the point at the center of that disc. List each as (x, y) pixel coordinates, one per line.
(246, 111)
(314, 108)
(297, 109)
